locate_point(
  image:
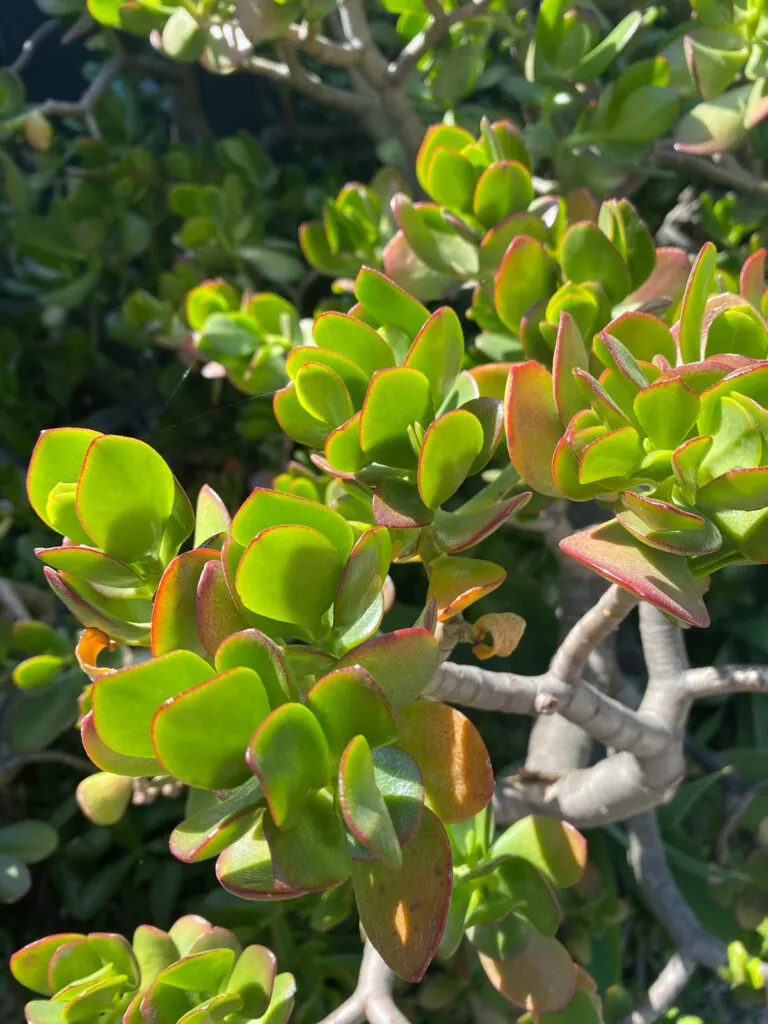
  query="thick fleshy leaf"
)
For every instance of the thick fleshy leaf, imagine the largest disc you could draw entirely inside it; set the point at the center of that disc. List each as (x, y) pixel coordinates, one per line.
(211, 830)
(662, 579)
(323, 394)
(92, 564)
(751, 381)
(404, 910)
(667, 410)
(253, 979)
(532, 424)
(452, 179)
(454, 761)
(290, 573)
(126, 619)
(252, 649)
(353, 339)
(201, 735)
(524, 278)
(396, 399)
(587, 255)
(745, 489)
(644, 336)
(457, 531)
(362, 804)
(503, 189)
(265, 508)
(438, 135)
(289, 754)
(455, 583)
(245, 868)
(437, 352)
(283, 996)
(216, 614)
(752, 277)
(518, 879)
(450, 447)
(437, 239)
(715, 126)
(363, 577)
(211, 517)
(125, 494)
(109, 760)
(310, 852)
(342, 447)
(348, 702)
(701, 541)
(396, 504)
(103, 797)
(616, 454)
(498, 239)
(56, 458)
(694, 303)
(295, 421)
(29, 965)
(685, 465)
(388, 303)
(555, 848)
(569, 353)
(398, 779)
(125, 702)
(174, 614)
(491, 379)
(401, 663)
(542, 978)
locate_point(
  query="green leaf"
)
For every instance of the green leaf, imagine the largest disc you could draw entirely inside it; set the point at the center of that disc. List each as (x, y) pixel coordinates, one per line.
(532, 424)
(445, 136)
(353, 339)
(252, 649)
(569, 353)
(662, 579)
(582, 1009)
(290, 756)
(174, 614)
(587, 255)
(92, 565)
(342, 447)
(643, 114)
(56, 458)
(323, 394)
(290, 573)
(524, 278)
(736, 443)
(121, 618)
(245, 868)
(182, 37)
(362, 804)
(30, 841)
(211, 517)
(457, 531)
(616, 454)
(355, 380)
(685, 465)
(694, 303)
(125, 702)
(452, 179)
(283, 996)
(404, 910)
(362, 578)
(542, 978)
(199, 972)
(37, 671)
(715, 126)
(401, 663)
(594, 63)
(437, 352)
(498, 239)
(501, 938)
(388, 303)
(715, 58)
(106, 11)
(125, 495)
(267, 508)
(667, 410)
(103, 798)
(109, 760)
(211, 830)
(449, 450)
(29, 965)
(314, 245)
(745, 489)
(522, 882)
(503, 189)
(396, 399)
(347, 703)
(228, 709)
(436, 238)
(253, 979)
(739, 329)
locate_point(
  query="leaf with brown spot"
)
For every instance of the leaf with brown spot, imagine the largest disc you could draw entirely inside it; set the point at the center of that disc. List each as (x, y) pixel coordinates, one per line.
(454, 761)
(403, 911)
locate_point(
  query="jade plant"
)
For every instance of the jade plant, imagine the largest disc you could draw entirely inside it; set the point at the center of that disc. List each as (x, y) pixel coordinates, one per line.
(192, 973)
(21, 844)
(664, 425)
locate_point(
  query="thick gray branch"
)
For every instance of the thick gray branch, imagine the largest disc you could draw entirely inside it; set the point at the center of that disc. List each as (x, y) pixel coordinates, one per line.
(663, 993)
(338, 55)
(290, 71)
(716, 680)
(600, 621)
(372, 999)
(604, 718)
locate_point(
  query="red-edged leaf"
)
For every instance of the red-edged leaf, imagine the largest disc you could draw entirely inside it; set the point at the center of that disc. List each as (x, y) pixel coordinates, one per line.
(402, 662)
(404, 910)
(662, 579)
(216, 614)
(542, 978)
(109, 760)
(532, 423)
(174, 616)
(455, 583)
(569, 353)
